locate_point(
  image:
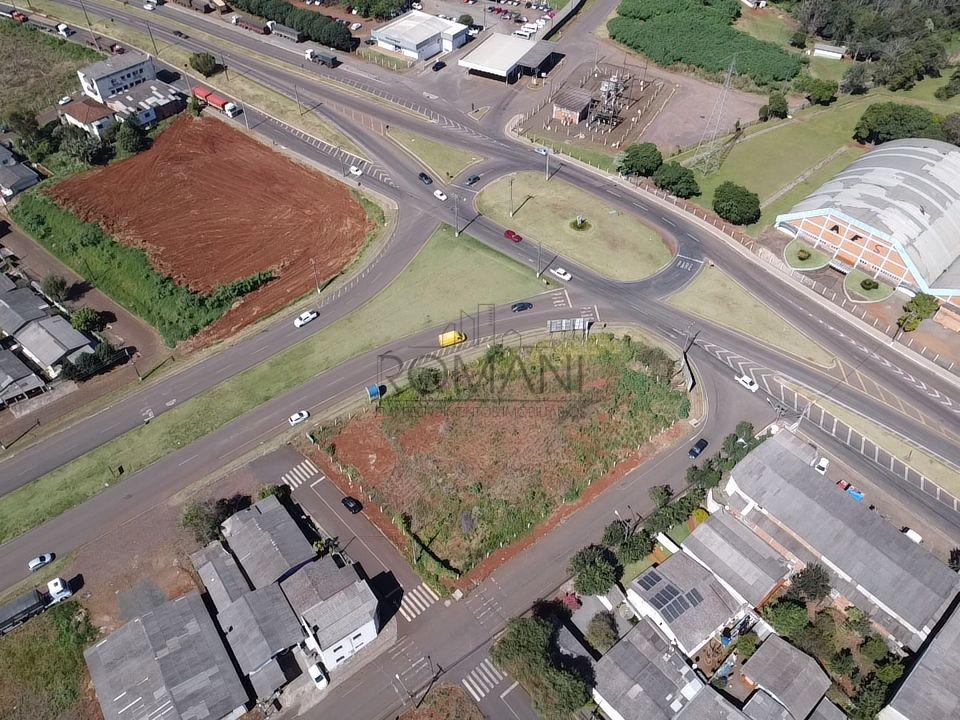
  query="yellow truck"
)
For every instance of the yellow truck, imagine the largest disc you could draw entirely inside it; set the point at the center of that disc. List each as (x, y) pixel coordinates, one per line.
(451, 337)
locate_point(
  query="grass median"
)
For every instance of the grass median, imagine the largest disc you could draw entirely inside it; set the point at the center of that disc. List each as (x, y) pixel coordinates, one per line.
(613, 243)
(418, 298)
(717, 297)
(444, 161)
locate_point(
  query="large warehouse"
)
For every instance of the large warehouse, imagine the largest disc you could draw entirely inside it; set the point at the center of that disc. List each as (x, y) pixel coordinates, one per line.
(895, 214)
(507, 57)
(419, 35)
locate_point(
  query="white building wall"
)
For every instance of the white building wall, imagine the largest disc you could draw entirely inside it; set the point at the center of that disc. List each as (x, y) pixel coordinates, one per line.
(348, 646)
(95, 128)
(605, 707)
(102, 87)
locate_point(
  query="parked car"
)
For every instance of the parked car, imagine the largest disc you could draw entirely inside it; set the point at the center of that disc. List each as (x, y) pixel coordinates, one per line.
(305, 317)
(425, 179)
(438, 66)
(356, 26)
(40, 561)
(355, 171)
(561, 273)
(439, 194)
(318, 676)
(698, 448)
(369, 41)
(64, 100)
(511, 235)
(472, 180)
(298, 417)
(521, 307)
(352, 504)
(149, 6)
(822, 465)
(748, 382)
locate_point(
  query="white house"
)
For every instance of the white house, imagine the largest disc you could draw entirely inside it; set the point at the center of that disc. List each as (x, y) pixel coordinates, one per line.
(115, 74)
(89, 115)
(833, 52)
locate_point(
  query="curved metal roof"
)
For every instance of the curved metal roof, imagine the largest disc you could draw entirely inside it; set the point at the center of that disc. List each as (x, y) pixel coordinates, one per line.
(906, 192)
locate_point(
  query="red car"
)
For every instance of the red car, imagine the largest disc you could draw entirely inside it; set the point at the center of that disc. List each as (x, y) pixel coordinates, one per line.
(511, 235)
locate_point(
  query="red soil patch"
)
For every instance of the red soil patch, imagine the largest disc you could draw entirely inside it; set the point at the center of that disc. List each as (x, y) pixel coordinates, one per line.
(211, 205)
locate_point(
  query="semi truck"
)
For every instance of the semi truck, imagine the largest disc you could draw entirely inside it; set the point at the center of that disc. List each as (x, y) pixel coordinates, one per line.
(63, 30)
(282, 31)
(321, 57)
(216, 102)
(18, 16)
(32, 603)
(257, 27)
(199, 5)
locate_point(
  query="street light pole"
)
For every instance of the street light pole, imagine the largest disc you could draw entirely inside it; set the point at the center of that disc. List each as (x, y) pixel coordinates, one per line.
(150, 32)
(316, 276)
(511, 197)
(296, 92)
(456, 215)
(96, 40)
(547, 157)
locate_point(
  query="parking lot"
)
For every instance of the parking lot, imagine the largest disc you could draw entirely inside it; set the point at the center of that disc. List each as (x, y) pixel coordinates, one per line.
(502, 14)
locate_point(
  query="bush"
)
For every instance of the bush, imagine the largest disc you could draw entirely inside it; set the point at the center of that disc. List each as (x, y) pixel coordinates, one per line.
(923, 305)
(204, 517)
(799, 39)
(869, 284)
(843, 664)
(595, 570)
(676, 180)
(882, 122)
(635, 548)
(818, 92)
(660, 495)
(640, 159)
(855, 79)
(615, 533)
(602, 631)
(777, 105)
(55, 287)
(889, 671)
(951, 89)
(747, 645)
(803, 254)
(788, 617)
(130, 138)
(465, 19)
(280, 491)
(858, 621)
(812, 583)
(87, 320)
(426, 380)
(734, 203)
(204, 63)
(874, 648)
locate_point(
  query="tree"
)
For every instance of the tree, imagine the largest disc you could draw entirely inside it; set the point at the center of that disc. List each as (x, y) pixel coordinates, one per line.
(615, 533)
(923, 305)
(280, 491)
(951, 89)
(858, 621)
(734, 203)
(676, 179)
(660, 495)
(777, 105)
(788, 617)
(871, 698)
(818, 92)
(465, 19)
(195, 107)
(635, 548)
(843, 663)
(812, 583)
(882, 122)
(86, 319)
(641, 159)
(705, 477)
(602, 631)
(204, 517)
(747, 646)
(950, 126)
(130, 138)
(55, 287)
(78, 145)
(874, 648)
(855, 80)
(889, 671)
(595, 570)
(799, 39)
(204, 63)
(23, 122)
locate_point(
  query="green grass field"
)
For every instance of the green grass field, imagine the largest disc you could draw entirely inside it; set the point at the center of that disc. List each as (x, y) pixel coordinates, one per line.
(617, 245)
(36, 69)
(717, 297)
(444, 161)
(768, 24)
(447, 267)
(816, 260)
(852, 283)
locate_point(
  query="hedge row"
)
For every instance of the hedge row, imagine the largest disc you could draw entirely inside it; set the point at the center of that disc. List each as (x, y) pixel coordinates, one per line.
(316, 27)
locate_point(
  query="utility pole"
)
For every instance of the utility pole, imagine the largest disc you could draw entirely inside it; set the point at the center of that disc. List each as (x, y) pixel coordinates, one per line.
(316, 276)
(547, 157)
(456, 215)
(223, 64)
(511, 197)
(296, 92)
(96, 40)
(156, 52)
(539, 254)
(246, 118)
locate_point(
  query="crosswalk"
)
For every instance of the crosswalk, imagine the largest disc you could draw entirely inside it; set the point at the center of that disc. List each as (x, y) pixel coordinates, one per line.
(482, 679)
(417, 600)
(300, 474)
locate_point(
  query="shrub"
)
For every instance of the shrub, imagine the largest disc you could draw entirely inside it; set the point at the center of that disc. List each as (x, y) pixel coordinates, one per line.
(640, 159)
(869, 284)
(842, 663)
(280, 491)
(660, 495)
(130, 138)
(874, 648)
(812, 583)
(803, 254)
(882, 122)
(734, 203)
(799, 39)
(858, 621)
(747, 645)
(788, 617)
(426, 380)
(87, 320)
(615, 533)
(204, 517)
(889, 671)
(595, 570)
(602, 631)
(55, 287)
(465, 19)
(204, 63)
(951, 89)
(635, 548)
(676, 180)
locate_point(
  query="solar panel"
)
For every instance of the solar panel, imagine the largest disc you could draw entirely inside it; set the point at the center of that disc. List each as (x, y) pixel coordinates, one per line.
(682, 602)
(671, 591)
(696, 595)
(655, 576)
(649, 580)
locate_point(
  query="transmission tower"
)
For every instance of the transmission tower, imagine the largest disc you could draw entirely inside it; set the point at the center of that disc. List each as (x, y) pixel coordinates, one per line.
(709, 152)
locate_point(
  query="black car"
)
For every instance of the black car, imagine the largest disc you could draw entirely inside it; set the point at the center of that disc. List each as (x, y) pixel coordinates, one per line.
(697, 449)
(438, 66)
(352, 504)
(179, 34)
(521, 307)
(369, 41)
(425, 179)
(473, 180)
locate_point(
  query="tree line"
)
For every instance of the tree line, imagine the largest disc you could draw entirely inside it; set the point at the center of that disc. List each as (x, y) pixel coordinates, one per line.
(314, 26)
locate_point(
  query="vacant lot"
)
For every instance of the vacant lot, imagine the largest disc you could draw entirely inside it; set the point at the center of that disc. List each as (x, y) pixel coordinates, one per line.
(614, 244)
(469, 460)
(36, 69)
(445, 702)
(210, 206)
(444, 161)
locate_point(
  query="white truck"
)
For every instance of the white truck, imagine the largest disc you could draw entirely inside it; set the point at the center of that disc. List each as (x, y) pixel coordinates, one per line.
(33, 603)
(64, 30)
(323, 58)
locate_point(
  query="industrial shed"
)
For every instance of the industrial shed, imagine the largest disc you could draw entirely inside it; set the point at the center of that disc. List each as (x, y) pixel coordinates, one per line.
(419, 35)
(507, 57)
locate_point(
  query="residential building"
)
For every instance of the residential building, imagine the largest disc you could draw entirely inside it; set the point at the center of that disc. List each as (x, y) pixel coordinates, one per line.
(18, 307)
(7, 158)
(930, 691)
(148, 103)
(89, 115)
(684, 599)
(708, 704)
(833, 52)
(115, 74)
(337, 609)
(15, 179)
(420, 36)
(788, 675)
(761, 706)
(266, 542)
(167, 663)
(51, 340)
(260, 626)
(220, 574)
(746, 566)
(776, 492)
(894, 214)
(826, 710)
(17, 381)
(643, 677)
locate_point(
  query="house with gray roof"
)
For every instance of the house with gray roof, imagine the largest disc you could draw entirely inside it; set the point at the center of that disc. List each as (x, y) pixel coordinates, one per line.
(167, 663)
(266, 542)
(776, 492)
(15, 179)
(686, 601)
(220, 574)
(16, 379)
(337, 609)
(788, 675)
(259, 626)
(643, 677)
(115, 74)
(18, 307)
(50, 340)
(761, 706)
(930, 691)
(747, 566)
(708, 704)
(826, 710)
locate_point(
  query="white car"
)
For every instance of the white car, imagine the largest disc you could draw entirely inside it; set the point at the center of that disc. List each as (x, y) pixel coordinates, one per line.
(748, 382)
(541, 151)
(561, 273)
(822, 465)
(298, 417)
(439, 194)
(149, 6)
(318, 676)
(355, 171)
(356, 26)
(40, 561)
(305, 317)
(64, 100)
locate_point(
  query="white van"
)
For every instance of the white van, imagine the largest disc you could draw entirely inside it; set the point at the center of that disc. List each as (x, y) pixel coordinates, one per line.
(530, 28)
(525, 34)
(913, 535)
